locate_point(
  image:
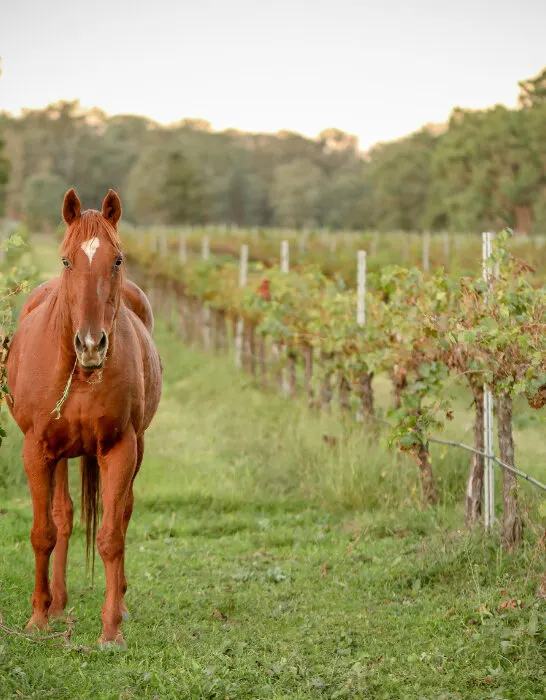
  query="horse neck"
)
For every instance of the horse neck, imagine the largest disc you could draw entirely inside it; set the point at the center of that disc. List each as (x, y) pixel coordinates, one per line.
(61, 327)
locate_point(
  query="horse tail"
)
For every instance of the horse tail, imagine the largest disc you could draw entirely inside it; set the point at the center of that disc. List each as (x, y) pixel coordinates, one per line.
(90, 476)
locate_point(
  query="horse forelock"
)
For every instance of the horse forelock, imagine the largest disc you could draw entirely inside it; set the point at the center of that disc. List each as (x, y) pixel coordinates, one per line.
(91, 224)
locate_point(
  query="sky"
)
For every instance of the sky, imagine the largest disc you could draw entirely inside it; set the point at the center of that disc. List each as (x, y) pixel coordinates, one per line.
(376, 69)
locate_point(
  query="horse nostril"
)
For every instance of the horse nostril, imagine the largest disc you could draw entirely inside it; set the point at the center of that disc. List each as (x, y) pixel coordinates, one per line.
(78, 343)
(102, 343)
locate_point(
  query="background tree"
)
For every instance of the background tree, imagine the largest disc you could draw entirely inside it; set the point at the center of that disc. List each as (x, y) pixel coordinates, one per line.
(165, 187)
(4, 165)
(400, 176)
(296, 193)
(42, 199)
(484, 169)
(182, 196)
(533, 90)
(4, 175)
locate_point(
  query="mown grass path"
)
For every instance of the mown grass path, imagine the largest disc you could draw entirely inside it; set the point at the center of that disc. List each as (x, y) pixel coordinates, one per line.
(265, 563)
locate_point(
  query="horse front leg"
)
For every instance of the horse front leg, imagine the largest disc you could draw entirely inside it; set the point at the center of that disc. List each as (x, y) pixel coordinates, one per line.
(117, 468)
(126, 518)
(40, 475)
(63, 516)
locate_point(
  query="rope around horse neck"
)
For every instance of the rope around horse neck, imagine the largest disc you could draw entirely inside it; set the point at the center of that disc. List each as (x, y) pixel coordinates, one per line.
(64, 397)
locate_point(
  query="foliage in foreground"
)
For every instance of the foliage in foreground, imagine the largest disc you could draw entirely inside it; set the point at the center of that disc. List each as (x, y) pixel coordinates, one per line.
(15, 279)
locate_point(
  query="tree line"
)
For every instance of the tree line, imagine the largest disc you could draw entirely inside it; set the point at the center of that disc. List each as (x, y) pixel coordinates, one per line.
(483, 169)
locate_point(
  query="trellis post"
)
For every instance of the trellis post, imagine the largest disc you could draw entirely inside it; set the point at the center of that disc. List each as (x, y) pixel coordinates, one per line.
(243, 273)
(489, 474)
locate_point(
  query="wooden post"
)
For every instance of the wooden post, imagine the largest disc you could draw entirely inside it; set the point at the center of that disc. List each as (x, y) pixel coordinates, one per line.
(365, 379)
(375, 244)
(239, 329)
(220, 331)
(406, 246)
(205, 248)
(302, 242)
(512, 522)
(262, 360)
(326, 383)
(250, 347)
(285, 266)
(183, 250)
(291, 385)
(276, 350)
(447, 249)
(308, 364)
(285, 256)
(426, 251)
(344, 394)
(206, 309)
(361, 288)
(163, 244)
(183, 319)
(474, 484)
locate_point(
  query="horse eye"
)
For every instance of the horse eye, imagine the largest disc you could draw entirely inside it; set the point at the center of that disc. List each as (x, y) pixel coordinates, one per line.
(118, 262)
(66, 263)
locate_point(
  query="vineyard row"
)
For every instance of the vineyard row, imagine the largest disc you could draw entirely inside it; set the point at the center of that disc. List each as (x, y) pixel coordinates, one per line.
(424, 332)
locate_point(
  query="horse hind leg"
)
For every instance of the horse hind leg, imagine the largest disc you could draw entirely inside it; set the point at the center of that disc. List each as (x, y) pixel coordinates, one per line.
(43, 535)
(63, 516)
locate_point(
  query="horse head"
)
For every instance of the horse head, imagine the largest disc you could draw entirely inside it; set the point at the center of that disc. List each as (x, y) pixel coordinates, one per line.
(92, 277)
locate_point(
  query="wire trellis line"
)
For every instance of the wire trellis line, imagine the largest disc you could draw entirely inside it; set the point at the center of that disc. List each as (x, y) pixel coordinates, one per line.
(515, 471)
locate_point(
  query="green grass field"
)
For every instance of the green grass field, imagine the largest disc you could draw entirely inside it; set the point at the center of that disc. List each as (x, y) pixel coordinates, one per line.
(265, 563)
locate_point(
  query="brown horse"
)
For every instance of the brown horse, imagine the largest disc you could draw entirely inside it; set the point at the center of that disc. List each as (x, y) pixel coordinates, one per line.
(85, 381)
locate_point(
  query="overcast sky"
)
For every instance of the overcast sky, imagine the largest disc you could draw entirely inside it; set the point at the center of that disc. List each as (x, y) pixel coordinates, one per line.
(376, 69)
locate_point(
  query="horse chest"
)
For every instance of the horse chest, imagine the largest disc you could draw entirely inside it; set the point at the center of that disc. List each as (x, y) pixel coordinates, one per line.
(91, 421)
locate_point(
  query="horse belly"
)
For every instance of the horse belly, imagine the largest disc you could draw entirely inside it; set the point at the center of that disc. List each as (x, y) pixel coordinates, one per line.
(152, 385)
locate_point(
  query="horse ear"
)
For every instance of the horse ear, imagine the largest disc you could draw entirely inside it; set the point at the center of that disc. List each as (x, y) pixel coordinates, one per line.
(111, 207)
(72, 207)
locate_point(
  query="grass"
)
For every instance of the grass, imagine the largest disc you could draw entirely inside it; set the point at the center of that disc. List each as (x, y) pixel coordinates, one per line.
(266, 563)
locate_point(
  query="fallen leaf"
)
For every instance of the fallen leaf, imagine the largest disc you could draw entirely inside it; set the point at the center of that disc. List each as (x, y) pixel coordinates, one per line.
(510, 605)
(219, 615)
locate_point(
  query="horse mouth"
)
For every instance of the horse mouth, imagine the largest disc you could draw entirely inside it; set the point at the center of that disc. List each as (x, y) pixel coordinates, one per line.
(90, 368)
(90, 363)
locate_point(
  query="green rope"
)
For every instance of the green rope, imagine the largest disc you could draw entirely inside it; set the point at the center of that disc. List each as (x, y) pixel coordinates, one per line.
(64, 397)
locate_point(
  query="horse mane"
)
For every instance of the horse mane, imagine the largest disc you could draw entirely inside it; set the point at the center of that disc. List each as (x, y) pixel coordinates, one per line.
(90, 224)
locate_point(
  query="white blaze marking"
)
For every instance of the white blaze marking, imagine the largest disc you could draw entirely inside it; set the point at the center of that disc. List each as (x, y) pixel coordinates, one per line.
(88, 339)
(90, 248)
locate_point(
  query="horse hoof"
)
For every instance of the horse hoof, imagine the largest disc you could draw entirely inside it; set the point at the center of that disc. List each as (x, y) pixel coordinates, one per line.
(117, 644)
(56, 613)
(38, 624)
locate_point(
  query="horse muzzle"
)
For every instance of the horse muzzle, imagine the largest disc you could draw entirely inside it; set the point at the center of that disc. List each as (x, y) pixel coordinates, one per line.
(91, 352)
